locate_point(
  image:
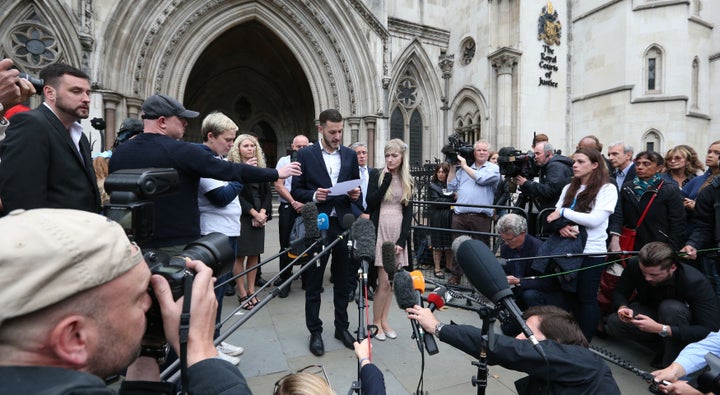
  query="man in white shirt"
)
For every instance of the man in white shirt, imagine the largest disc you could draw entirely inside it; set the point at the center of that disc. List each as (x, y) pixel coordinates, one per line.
(288, 210)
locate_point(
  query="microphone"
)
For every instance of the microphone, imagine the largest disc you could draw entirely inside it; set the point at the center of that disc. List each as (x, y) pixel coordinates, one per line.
(323, 224)
(484, 273)
(406, 297)
(388, 259)
(347, 221)
(309, 214)
(436, 299)
(418, 280)
(363, 236)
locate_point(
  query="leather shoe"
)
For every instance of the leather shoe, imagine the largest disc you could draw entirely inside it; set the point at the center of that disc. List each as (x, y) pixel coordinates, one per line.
(345, 337)
(259, 281)
(284, 292)
(316, 344)
(278, 282)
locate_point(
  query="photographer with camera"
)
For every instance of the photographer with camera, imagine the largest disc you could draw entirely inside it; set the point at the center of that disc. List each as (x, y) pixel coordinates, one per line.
(80, 316)
(690, 360)
(13, 90)
(177, 218)
(555, 173)
(46, 156)
(475, 184)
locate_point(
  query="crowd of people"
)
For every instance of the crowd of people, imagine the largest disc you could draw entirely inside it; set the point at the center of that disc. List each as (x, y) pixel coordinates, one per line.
(590, 211)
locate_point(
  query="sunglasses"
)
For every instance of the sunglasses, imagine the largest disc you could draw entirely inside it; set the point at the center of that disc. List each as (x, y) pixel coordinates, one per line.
(317, 370)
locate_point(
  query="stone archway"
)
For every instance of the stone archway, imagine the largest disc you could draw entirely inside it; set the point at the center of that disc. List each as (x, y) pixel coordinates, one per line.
(249, 74)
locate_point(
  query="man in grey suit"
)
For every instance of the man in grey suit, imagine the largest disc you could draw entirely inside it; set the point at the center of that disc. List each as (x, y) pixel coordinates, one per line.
(45, 158)
(324, 165)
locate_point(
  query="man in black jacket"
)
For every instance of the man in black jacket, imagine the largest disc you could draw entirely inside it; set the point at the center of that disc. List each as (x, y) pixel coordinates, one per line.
(80, 317)
(674, 304)
(570, 367)
(555, 173)
(46, 156)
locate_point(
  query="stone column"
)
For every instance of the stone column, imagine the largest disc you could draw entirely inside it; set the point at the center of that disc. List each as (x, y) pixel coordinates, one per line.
(503, 62)
(446, 65)
(110, 103)
(370, 123)
(133, 106)
(354, 123)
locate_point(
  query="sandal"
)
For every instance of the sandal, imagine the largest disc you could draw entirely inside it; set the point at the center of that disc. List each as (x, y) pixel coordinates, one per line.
(242, 299)
(251, 303)
(439, 274)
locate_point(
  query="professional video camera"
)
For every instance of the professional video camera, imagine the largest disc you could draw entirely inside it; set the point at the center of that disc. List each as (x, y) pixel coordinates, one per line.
(213, 250)
(709, 381)
(514, 162)
(38, 83)
(455, 147)
(131, 192)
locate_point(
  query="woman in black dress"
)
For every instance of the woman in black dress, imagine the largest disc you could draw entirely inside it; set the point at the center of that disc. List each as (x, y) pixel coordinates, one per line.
(440, 217)
(256, 202)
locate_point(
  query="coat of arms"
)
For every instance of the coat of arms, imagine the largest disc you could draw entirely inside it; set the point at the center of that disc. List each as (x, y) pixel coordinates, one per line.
(548, 25)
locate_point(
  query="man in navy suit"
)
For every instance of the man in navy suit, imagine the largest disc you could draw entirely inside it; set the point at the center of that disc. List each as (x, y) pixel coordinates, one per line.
(46, 156)
(324, 165)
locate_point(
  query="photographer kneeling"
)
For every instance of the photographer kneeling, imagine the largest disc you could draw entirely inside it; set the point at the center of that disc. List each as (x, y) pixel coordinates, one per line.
(74, 294)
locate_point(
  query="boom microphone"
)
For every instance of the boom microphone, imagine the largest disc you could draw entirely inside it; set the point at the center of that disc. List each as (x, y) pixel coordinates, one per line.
(309, 214)
(363, 235)
(323, 224)
(484, 273)
(407, 297)
(347, 221)
(388, 259)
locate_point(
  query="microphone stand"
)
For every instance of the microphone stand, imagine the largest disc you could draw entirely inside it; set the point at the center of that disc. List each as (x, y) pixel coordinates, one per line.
(362, 332)
(170, 373)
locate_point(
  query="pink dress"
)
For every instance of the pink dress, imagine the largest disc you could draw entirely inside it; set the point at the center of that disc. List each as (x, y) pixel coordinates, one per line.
(390, 224)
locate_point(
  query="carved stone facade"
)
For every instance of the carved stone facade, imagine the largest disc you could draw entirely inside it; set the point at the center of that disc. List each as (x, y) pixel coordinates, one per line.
(419, 70)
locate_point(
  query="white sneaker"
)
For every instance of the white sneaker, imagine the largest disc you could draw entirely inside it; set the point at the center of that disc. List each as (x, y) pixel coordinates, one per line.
(225, 357)
(229, 349)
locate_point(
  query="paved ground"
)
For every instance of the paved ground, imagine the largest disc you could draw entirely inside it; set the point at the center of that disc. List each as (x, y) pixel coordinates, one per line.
(276, 342)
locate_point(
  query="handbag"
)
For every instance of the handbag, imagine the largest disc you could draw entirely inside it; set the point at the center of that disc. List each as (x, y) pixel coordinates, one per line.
(627, 235)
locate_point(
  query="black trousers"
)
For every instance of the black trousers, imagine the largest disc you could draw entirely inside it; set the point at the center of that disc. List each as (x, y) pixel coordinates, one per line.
(286, 218)
(344, 273)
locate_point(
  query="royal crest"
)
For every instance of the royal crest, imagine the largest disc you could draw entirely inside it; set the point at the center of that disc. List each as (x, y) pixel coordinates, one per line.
(549, 27)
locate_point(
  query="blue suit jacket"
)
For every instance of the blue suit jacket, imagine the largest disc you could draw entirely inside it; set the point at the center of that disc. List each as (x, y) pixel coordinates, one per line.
(314, 175)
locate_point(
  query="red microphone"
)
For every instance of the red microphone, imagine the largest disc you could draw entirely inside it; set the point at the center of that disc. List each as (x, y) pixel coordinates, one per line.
(435, 301)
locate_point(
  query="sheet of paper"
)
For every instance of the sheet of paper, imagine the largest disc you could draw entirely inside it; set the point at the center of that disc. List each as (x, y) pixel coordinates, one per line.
(342, 188)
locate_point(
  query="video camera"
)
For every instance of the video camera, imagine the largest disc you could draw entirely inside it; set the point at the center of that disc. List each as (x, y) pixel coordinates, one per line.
(131, 205)
(455, 147)
(38, 83)
(514, 162)
(709, 381)
(213, 250)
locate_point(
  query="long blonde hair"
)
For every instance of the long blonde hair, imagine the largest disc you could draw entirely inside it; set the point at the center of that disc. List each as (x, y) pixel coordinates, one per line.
(397, 145)
(234, 154)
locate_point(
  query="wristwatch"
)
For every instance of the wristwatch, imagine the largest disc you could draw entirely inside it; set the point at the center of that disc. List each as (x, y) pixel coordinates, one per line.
(438, 328)
(664, 331)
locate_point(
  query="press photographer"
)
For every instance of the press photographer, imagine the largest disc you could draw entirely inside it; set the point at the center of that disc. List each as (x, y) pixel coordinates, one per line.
(79, 317)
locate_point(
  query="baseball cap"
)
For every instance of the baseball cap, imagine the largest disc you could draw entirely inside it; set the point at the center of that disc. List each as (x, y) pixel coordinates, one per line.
(158, 105)
(49, 255)
(129, 127)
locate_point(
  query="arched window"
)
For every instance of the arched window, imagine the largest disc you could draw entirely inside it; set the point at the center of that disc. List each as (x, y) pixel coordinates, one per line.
(653, 70)
(397, 124)
(695, 87)
(416, 134)
(651, 141)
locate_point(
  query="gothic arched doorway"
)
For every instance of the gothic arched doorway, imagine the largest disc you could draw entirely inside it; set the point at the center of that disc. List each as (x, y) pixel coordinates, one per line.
(249, 74)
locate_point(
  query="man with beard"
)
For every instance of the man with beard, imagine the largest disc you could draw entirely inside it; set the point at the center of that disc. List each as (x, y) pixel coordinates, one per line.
(46, 156)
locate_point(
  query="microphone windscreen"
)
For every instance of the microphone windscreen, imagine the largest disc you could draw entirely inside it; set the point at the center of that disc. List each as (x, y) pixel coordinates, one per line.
(459, 240)
(309, 215)
(347, 221)
(482, 269)
(436, 299)
(363, 233)
(323, 222)
(388, 258)
(418, 280)
(405, 294)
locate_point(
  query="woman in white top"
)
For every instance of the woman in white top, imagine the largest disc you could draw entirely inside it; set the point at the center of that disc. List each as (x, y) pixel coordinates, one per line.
(587, 201)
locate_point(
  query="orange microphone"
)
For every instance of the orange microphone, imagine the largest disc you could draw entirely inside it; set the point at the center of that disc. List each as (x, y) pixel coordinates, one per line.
(418, 280)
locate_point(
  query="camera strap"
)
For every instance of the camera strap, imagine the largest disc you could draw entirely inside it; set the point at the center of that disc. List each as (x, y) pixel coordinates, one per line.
(184, 330)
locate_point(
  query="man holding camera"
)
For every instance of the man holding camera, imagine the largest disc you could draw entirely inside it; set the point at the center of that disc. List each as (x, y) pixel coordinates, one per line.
(46, 156)
(79, 317)
(13, 90)
(555, 173)
(177, 218)
(475, 185)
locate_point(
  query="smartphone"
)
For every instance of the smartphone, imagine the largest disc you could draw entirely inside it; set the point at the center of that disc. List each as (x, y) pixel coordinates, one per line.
(293, 156)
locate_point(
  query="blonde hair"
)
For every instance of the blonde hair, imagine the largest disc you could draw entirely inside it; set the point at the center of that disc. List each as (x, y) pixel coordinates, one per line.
(234, 154)
(217, 123)
(397, 145)
(303, 384)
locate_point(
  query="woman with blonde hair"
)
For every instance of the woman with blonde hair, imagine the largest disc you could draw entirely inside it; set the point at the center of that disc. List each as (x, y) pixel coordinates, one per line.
(388, 201)
(682, 164)
(256, 202)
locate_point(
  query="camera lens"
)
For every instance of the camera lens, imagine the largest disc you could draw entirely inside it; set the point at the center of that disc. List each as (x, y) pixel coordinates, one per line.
(214, 251)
